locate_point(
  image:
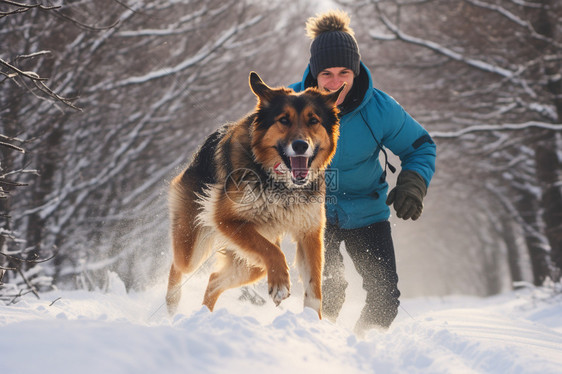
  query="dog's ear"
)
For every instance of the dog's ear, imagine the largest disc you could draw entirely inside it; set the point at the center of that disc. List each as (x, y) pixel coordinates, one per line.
(260, 89)
(332, 97)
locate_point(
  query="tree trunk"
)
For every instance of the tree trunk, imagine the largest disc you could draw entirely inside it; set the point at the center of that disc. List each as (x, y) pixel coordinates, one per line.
(9, 108)
(548, 164)
(46, 161)
(513, 257)
(540, 259)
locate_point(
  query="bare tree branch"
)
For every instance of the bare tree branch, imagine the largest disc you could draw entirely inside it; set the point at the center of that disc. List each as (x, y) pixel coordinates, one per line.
(33, 261)
(514, 18)
(28, 283)
(11, 146)
(84, 26)
(502, 127)
(511, 75)
(14, 73)
(21, 7)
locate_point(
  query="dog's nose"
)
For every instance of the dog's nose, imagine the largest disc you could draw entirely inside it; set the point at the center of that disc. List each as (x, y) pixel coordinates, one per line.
(299, 146)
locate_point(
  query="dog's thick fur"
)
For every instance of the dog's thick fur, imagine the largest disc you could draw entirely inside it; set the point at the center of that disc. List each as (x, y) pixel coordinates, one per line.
(250, 183)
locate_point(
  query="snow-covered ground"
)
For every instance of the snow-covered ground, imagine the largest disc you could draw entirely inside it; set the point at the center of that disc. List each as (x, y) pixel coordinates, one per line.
(115, 332)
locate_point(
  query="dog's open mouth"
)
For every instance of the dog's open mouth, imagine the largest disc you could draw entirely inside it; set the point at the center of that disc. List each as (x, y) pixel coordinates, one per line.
(299, 168)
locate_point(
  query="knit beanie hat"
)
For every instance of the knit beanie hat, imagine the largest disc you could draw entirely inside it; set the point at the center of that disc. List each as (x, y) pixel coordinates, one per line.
(333, 44)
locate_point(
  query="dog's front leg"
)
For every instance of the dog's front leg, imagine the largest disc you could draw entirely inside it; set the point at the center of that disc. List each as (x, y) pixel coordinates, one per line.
(310, 261)
(260, 250)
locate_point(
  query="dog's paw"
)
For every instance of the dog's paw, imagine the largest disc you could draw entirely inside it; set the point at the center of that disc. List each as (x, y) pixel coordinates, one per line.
(279, 293)
(279, 285)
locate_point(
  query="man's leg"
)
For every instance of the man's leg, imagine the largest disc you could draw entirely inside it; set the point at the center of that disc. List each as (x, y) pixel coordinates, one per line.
(372, 252)
(333, 283)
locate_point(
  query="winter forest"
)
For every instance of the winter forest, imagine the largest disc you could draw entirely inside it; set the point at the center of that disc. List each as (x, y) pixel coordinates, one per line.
(102, 102)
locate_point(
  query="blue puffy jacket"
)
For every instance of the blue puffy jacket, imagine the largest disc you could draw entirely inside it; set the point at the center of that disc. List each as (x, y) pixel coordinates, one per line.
(356, 193)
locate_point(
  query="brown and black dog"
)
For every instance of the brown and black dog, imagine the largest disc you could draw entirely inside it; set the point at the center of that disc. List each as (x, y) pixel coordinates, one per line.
(249, 184)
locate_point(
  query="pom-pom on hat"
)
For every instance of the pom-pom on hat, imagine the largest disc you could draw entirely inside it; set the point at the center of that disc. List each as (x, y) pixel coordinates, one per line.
(333, 43)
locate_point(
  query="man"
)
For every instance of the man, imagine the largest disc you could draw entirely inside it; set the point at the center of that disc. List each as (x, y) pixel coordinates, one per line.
(357, 208)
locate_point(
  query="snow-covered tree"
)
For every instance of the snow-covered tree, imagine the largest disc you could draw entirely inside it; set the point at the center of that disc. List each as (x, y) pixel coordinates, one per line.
(25, 84)
(152, 78)
(486, 78)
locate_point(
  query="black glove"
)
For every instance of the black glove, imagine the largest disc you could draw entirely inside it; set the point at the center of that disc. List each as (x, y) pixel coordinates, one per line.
(408, 195)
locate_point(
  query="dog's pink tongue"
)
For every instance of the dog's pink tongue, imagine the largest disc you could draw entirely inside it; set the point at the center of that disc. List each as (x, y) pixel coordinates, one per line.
(299, 167)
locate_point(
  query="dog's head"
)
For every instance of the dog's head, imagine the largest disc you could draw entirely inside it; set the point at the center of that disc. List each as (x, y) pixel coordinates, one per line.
(294, 135)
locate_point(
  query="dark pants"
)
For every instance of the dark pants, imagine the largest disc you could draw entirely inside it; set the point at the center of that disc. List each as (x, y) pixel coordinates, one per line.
(372, 252)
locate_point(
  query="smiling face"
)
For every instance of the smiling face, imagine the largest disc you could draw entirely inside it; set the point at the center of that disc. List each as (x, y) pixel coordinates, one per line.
(332, 78)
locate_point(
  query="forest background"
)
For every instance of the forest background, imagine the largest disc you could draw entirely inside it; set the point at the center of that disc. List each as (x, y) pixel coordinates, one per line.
(101, 103)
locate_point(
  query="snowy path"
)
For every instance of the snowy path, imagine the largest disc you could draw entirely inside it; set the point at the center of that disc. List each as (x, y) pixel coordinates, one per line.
(94, 332)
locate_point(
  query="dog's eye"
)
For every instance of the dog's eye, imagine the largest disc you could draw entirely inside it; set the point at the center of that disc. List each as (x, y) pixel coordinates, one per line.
(313, 121)
(284, 121)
